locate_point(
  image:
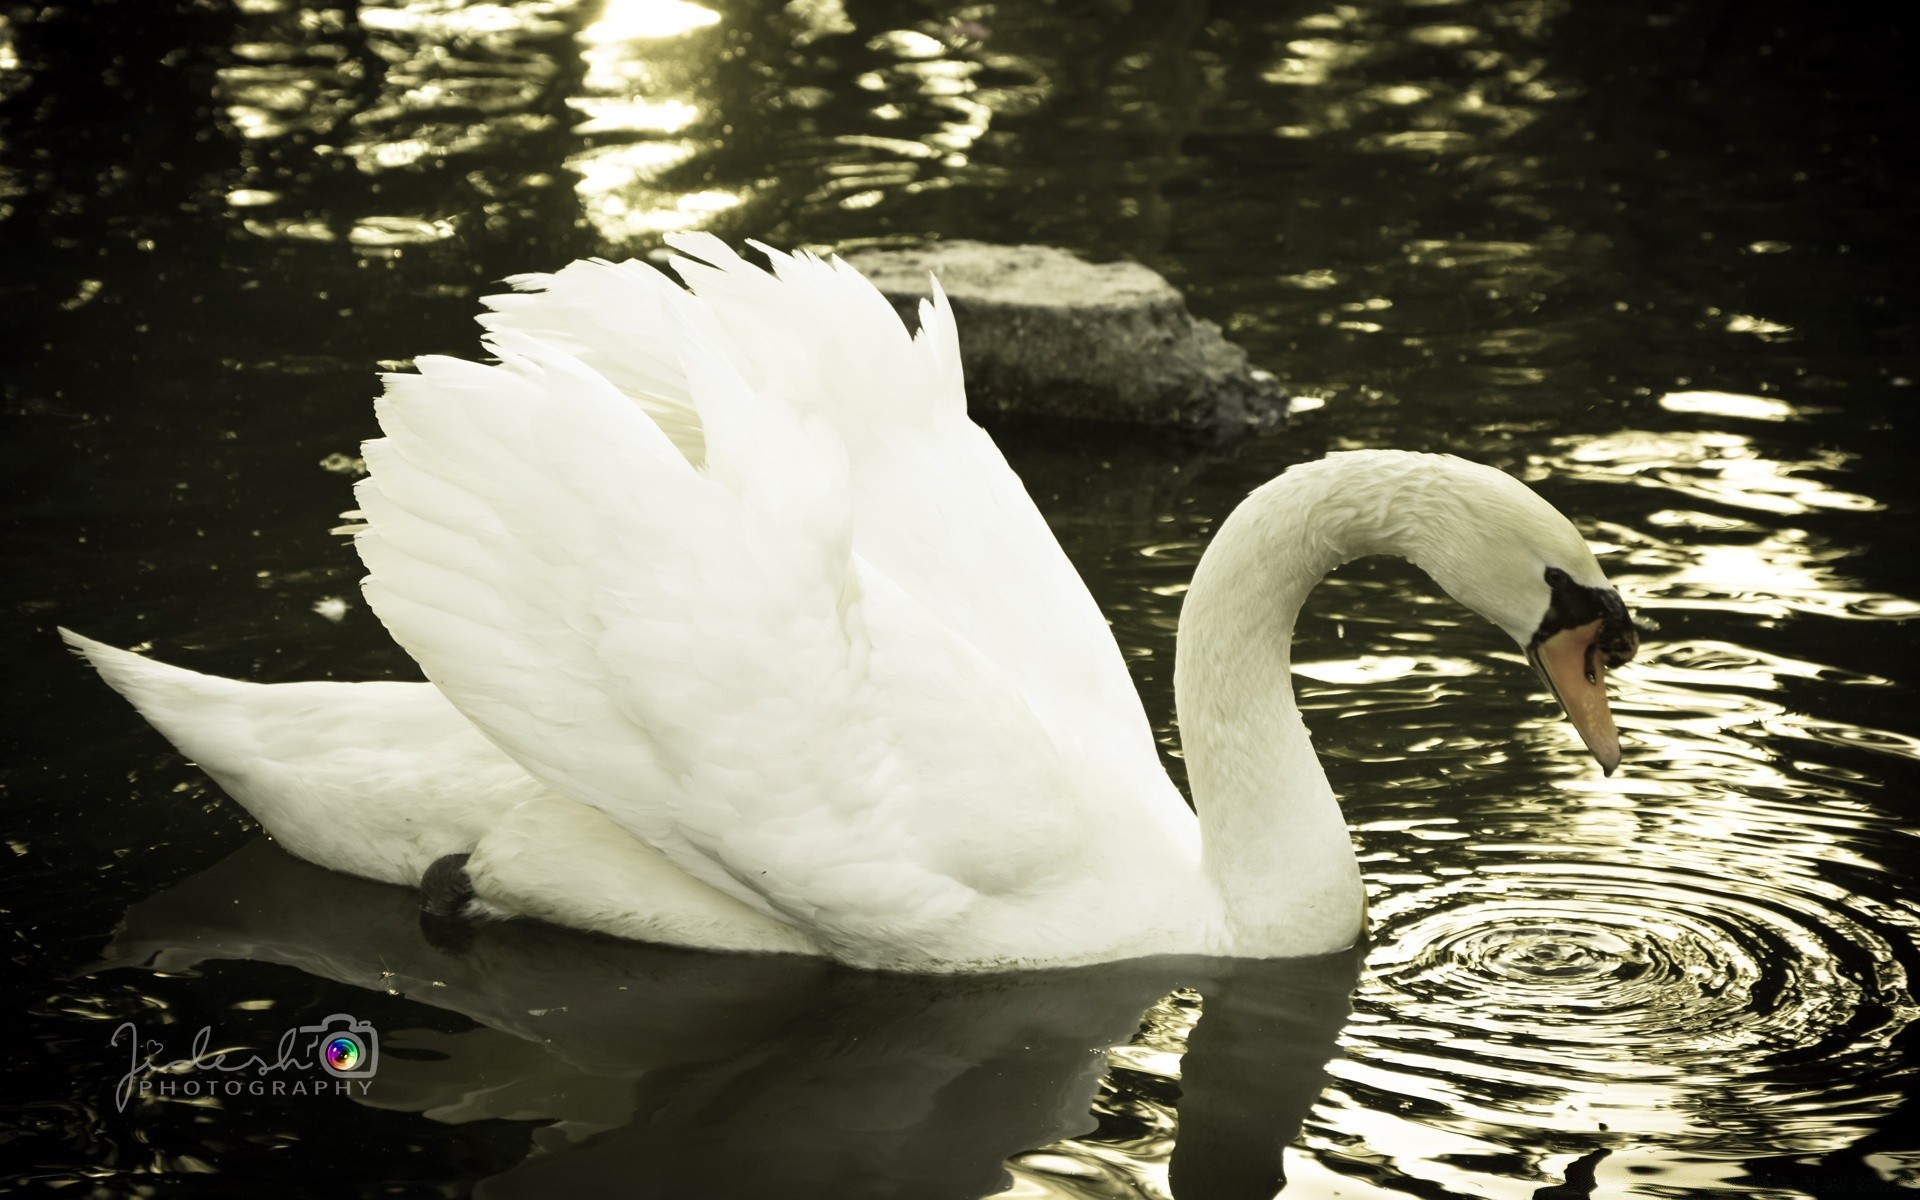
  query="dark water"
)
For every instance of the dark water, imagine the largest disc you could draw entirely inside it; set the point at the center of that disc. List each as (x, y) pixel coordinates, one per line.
(1655, 258)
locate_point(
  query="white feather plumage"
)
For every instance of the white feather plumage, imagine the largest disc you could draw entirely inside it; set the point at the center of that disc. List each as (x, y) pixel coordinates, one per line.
(742, 635)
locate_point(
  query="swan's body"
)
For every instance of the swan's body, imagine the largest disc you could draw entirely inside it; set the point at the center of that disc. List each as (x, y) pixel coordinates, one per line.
(742, 635)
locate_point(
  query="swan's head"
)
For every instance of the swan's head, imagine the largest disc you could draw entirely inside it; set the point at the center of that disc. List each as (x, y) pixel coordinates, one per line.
(1507, 554)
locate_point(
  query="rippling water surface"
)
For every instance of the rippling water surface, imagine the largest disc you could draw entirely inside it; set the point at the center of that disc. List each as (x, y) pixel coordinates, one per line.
(1654, 259)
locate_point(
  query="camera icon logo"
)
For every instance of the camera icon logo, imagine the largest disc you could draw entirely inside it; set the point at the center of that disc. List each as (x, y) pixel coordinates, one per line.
(346, 1047)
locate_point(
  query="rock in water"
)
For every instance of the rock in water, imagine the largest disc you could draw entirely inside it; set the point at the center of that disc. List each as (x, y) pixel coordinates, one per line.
(1042, 332)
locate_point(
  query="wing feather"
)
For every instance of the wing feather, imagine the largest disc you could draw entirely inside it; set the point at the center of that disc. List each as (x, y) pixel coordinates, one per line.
(937, 508)
(733, 567)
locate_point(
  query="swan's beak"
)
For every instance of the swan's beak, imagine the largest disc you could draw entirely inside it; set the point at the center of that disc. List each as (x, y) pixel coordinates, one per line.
(1575, 668)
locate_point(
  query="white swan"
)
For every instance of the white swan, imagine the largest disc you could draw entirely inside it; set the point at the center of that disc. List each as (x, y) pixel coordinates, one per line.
(741, 635)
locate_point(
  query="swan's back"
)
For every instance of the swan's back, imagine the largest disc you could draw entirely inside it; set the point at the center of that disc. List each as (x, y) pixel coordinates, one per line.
(734, 567)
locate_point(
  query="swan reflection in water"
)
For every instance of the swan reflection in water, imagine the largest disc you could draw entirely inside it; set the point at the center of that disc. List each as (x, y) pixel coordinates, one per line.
(683, 1073)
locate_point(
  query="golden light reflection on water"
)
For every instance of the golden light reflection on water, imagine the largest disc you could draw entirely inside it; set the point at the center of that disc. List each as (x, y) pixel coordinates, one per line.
(623, 21)
(615, 192)
(391, 89)
(1720, 559)
(653, 110)
(444, 20)
(644, 66)
(1337, 68)
(1729, 404)
(612, 115)
(416, 85)
(1722, 467)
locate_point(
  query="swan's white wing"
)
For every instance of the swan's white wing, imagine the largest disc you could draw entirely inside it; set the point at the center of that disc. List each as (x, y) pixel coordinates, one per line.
(620, 321)
(934, 505)
(699, 652)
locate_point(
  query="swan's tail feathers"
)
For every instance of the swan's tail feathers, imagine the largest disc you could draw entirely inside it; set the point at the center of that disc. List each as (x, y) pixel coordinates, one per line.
(375, 779)
(163, 694)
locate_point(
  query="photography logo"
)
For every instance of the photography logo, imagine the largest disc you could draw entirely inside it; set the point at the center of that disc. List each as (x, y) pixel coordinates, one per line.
(349, 1048)
(337, 1056)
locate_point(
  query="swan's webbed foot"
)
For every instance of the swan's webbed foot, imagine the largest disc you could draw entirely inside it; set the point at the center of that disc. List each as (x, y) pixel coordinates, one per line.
(445, 892)
(445, 889)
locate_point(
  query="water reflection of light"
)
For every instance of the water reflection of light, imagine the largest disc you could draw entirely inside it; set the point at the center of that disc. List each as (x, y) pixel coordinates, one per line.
(1726, 468)
(266, 102)
(438, 140)
(1310, 62)
(607, 114)
(907, 44)
(1718, 561)
(614, 167)
(615, 193)
(924, 74)
(641, 86)
(818, 18)
(387, 231)
(389, 87)
(446, 20)
(289, 227)
(640, 20)
(1491, 98)
(1777, 575)
(1443, 35)
(1557, 986)
(1728, 404)
(9, 57)
(1760, 327)
(1626, 972)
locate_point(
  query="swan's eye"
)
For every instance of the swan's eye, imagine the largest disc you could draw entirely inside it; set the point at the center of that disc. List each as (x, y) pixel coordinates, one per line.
(1573, 605)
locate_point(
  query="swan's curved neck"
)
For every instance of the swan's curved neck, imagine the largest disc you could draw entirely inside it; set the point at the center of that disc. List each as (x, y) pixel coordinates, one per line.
(1273, 839)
